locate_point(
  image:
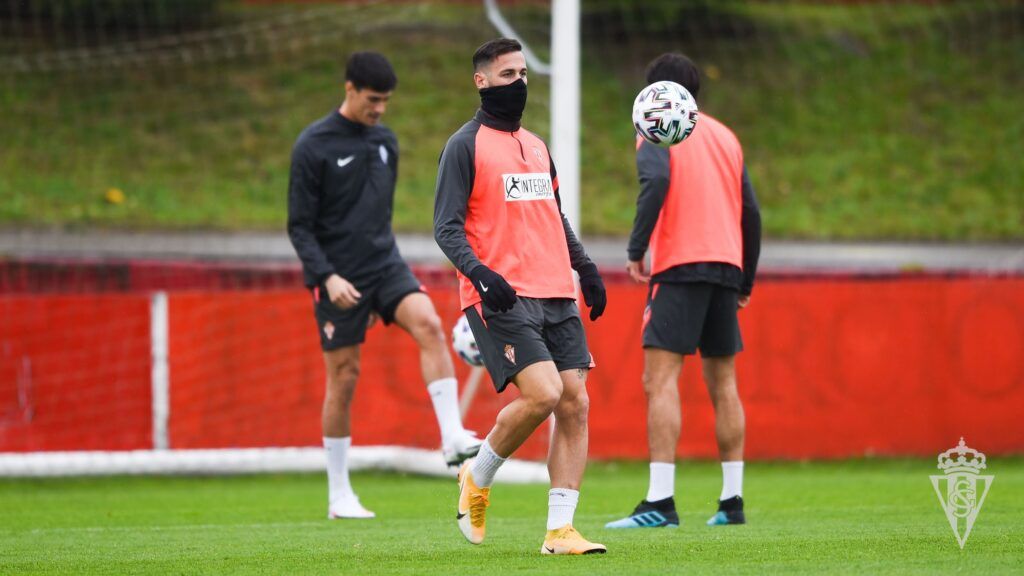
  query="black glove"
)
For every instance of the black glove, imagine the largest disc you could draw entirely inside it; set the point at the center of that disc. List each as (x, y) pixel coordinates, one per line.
(496, 293)
(593, 290)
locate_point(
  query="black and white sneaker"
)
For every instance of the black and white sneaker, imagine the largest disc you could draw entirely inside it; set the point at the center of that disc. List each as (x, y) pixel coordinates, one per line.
(657, 514)
(730, 511)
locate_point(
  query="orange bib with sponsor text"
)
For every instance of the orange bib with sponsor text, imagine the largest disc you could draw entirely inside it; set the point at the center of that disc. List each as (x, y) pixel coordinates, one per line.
(513, 223)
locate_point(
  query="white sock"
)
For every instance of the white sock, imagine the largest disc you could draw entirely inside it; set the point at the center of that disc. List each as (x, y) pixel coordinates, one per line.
(561, 506)
(485, 465)
(338, 487)
(732, 479)
(444, 393)
(663, 481)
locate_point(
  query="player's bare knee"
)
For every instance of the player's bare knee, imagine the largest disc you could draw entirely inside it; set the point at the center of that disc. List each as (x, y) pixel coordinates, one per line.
(648, 382)
(437, 332)
(720, 387)
(655, 385)
(349, 372)
(343, 375)
(549, 401)
(574, 409)
(544, 400)
(431, 333)
(348, 376)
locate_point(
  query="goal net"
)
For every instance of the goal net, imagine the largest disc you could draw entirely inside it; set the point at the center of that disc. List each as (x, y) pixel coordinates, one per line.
(106, 370)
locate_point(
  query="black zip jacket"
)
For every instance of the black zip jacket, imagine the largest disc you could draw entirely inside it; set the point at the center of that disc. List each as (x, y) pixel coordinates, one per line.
(340, 196)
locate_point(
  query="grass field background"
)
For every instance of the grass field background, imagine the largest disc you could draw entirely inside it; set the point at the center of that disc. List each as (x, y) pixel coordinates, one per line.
(859, 121)
(850, 517)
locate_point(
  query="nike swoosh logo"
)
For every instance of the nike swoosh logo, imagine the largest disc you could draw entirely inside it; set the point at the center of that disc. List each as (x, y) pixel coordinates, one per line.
(550, 550)
(342, 162)
(460, 515)
(483, 287)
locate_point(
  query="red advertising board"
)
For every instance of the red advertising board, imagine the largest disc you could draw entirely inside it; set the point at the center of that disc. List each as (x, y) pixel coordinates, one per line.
(833, 367)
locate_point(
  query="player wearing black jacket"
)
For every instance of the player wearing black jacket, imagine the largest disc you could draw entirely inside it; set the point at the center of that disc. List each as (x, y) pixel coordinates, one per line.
(340, 199)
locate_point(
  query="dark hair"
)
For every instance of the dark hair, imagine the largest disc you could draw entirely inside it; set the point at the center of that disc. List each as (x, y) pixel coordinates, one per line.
(370, 70)
(489, 51)
(677, 68)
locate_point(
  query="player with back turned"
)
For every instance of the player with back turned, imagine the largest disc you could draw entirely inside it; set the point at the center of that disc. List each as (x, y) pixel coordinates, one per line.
(698, 213)
(340, 197)
(497, 217)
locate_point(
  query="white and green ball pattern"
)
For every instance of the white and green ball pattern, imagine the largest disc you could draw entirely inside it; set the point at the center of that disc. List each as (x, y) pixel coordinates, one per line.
(664, 113)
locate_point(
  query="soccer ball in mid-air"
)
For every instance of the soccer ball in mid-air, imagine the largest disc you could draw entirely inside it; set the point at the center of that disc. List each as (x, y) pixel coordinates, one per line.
(664, 113)
(464, 343)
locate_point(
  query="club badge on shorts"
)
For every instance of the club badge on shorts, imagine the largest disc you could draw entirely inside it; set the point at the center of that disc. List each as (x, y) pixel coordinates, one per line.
(510, 353)
(329, 330)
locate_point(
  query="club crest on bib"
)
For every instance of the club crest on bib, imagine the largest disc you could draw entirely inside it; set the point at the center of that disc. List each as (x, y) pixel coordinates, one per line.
(528, 186)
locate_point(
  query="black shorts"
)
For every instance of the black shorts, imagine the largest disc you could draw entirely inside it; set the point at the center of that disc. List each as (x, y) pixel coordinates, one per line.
(534, 330)
(339, 328)
(682, 317)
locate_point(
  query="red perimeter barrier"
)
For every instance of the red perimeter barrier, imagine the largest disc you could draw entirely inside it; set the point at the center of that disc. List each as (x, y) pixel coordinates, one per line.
(833, 367)
(246, 371)
(75, 373)
(838, 367)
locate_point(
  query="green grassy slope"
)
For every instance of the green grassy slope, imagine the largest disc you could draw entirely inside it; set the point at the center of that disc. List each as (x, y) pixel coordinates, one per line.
(856, 124)
(877, 517)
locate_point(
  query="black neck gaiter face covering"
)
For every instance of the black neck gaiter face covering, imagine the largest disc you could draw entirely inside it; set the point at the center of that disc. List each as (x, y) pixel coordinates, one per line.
(505, 102)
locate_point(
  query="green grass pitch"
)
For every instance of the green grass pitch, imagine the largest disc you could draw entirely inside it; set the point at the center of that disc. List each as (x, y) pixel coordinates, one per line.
(851, 517)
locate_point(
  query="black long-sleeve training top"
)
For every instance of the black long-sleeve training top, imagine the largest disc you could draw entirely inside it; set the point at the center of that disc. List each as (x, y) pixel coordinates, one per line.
(340, 196)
